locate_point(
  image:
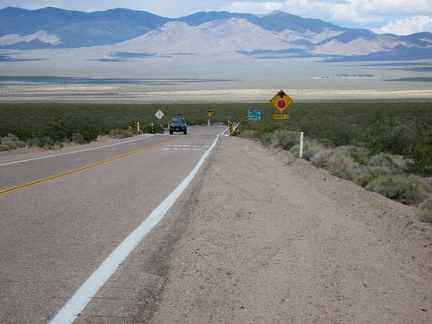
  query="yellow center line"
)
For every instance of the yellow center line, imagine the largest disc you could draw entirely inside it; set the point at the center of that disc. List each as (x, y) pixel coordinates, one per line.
(32, 183)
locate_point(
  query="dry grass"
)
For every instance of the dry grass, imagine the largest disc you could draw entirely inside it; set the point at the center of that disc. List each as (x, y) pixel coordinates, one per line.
(425, 211)
(10, 142)
(407, 189)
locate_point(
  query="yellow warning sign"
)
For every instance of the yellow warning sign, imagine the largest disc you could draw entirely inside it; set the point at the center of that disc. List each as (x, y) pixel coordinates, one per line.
(281, 101)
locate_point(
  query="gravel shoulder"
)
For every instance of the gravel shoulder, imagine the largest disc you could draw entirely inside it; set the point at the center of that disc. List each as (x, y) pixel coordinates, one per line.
(272, 239)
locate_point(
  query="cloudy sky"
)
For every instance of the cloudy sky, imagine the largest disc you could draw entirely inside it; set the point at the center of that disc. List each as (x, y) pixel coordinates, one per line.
(400, 17)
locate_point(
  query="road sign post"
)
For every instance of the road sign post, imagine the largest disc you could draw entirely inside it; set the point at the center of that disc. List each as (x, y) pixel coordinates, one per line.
(209, 114)
(136, 127)
(281, 101)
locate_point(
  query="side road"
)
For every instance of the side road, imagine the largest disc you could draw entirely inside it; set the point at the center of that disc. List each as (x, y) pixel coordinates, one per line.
(272, 239)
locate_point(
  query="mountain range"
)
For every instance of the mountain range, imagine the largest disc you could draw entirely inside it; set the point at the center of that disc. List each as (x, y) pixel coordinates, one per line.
(139, 34)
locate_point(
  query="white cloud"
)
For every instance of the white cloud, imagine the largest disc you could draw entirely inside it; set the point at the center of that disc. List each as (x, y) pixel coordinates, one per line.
(406, 26)
(393, 7)
(370, 14)
(337, 11)
(252, 7)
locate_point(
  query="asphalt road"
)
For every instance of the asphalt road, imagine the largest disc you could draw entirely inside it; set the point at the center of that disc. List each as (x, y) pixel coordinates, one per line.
(62, 215)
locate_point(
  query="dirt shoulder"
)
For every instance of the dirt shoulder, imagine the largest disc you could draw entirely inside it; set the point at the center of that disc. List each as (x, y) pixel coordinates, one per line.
(272, 239)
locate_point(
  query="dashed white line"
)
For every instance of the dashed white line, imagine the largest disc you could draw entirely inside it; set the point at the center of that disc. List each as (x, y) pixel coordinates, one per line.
(185, 147)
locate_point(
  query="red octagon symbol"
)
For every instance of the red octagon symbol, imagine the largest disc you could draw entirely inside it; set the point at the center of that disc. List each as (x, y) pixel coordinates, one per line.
(281, 104)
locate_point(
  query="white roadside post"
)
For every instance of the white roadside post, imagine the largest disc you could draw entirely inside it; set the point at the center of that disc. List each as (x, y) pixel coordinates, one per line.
(301, 145)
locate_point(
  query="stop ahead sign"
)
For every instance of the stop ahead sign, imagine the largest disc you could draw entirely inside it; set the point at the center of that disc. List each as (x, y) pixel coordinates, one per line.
(281, 101)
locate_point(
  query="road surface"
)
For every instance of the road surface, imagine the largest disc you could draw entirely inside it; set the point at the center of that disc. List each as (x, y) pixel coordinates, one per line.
(257, 237)
(64, 212)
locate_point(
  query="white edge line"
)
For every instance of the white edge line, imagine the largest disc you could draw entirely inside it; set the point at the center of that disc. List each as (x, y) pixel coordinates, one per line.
(66, 153)
(91, 286)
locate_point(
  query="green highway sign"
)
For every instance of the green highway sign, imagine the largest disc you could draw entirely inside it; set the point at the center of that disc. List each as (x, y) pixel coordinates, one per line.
(254, 114)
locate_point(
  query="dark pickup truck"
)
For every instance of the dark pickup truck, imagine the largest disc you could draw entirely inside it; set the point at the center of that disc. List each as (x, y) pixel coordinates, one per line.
(178, 124)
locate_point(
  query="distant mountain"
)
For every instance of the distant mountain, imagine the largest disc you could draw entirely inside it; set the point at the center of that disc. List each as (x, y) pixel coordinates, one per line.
(140, 33)
(56, 28)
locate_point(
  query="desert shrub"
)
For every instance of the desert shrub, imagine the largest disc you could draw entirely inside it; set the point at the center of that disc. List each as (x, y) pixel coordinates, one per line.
(425, 215)
(321, 159)
(88, 129)
(11, 145)
(153, 129)
(247, 133)
(332, 129)
(259, 129)
(339, 134)
(343, 166)
(353, 163)
(32, 142)
(286, 139)
(358, 173)
(46, 141)
(200, 121)
(389, 135)
(358, 154)
(66, 127)
(55, 131)
(78, 138)
(311, 150)
(10, 142)
(339, 161)
(386, 164)
(295, 150)
(407, 189)
(427, 204)
(338, 164)
(267, 139)
(419, 155)
(362, 179)
(425, 211)
(120, 133)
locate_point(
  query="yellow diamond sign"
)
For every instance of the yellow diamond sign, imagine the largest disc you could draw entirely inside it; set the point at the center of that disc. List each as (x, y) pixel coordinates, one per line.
(281, 101)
